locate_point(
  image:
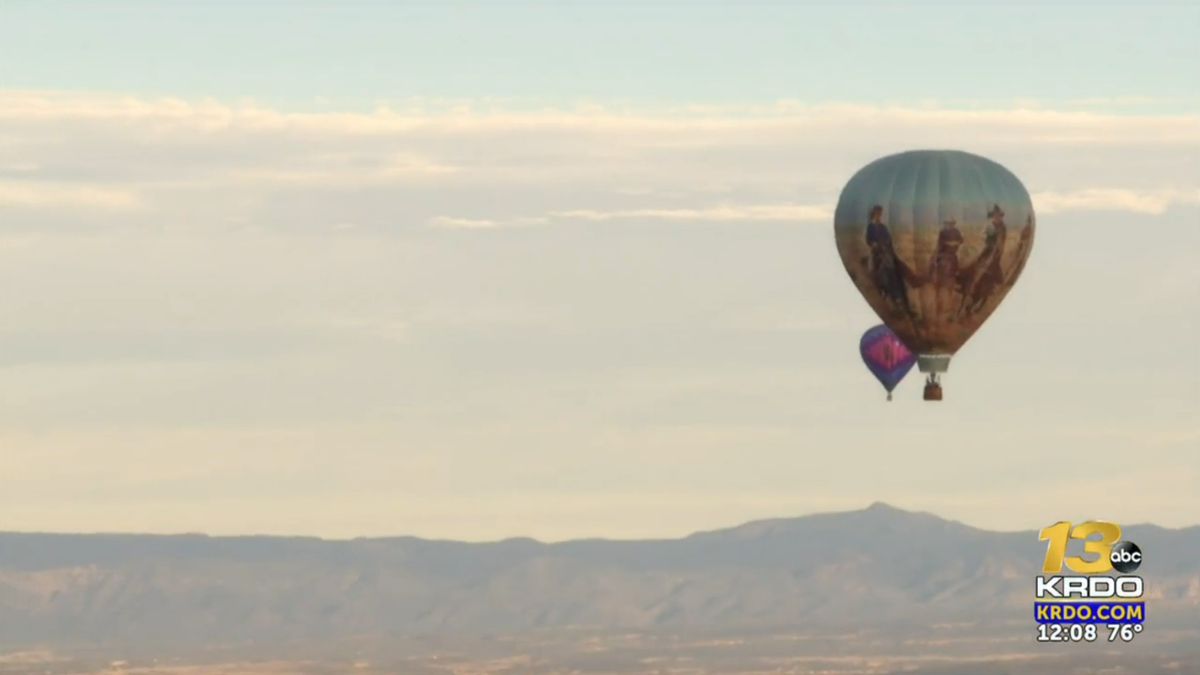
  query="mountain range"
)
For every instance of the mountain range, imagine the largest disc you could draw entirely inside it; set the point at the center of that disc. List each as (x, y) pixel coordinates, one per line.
(880, 565)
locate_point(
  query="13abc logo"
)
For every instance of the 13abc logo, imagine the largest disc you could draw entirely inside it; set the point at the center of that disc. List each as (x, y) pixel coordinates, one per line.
(1105, 550)
(1125, 557)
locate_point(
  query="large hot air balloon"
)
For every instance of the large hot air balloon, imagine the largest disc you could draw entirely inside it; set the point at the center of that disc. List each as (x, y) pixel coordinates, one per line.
(886, 357)
(925, 235)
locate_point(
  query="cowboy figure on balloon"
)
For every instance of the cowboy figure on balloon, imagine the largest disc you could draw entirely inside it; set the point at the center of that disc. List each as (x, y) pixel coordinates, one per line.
(945, 204)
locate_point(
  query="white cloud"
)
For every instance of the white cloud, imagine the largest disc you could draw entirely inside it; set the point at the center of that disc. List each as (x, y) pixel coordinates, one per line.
(1100, 199)
(452, 223)
(426, 116)
(342, 171)
(768, 212)
(65, 196)
(463, 223)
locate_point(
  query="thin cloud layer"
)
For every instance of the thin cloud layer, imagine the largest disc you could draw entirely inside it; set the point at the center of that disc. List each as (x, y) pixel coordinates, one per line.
(1153, 202)
(767, 212)
(460, 165)
(65, 196)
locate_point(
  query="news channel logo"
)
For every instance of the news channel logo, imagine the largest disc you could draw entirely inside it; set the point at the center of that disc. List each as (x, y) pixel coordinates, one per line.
(1101, 588)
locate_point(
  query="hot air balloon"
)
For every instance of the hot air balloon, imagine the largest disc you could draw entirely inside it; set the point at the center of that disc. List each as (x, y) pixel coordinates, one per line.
(925, 236)
(886, 357)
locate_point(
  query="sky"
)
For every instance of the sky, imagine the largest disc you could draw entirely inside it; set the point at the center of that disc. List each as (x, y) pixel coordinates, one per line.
(562, 269)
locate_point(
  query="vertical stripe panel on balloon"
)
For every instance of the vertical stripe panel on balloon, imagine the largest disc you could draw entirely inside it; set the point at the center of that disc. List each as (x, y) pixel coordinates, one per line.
(942, 271)
(898, 216)
(925, 214)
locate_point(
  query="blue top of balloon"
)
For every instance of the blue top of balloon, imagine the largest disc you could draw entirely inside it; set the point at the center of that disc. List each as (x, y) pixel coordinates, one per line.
(933, 180)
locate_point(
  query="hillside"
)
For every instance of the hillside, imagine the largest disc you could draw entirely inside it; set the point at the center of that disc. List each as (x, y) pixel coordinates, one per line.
(878, 565)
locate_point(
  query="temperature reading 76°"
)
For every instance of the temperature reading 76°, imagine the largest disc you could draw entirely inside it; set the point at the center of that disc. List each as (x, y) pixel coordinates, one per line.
(1125, 631)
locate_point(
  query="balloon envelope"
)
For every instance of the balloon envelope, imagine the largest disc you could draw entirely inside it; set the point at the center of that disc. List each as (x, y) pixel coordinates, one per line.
(934, 240)
(886, 356)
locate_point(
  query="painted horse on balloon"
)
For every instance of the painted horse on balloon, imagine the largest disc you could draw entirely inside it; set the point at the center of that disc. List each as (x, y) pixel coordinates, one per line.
(924, 236)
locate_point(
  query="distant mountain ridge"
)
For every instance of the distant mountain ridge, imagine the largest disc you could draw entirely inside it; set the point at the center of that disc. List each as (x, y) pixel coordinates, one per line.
(876, 564)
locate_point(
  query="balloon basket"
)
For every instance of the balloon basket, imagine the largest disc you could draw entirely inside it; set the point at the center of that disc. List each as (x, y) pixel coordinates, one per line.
(933, 391)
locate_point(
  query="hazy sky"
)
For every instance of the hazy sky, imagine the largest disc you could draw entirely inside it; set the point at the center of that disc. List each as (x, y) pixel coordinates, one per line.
(476, 270)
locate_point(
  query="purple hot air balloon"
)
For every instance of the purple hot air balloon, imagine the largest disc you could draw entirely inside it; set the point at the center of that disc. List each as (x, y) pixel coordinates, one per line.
(886, 356)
